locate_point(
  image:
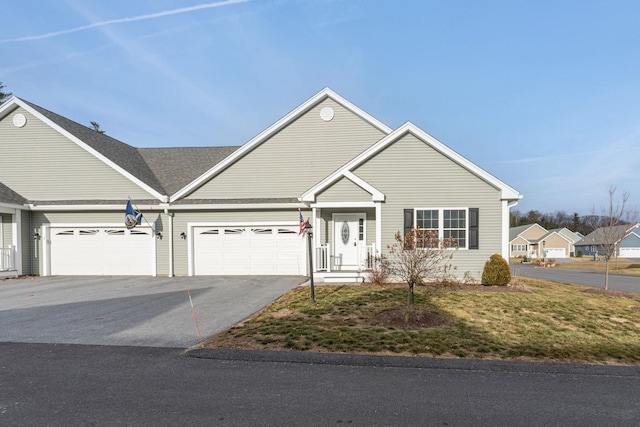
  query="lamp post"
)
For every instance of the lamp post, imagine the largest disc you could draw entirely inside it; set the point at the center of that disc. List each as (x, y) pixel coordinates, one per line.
(308, 228)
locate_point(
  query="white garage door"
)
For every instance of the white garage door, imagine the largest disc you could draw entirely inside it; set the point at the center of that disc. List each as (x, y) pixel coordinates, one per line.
(630, 252)
(556, 252)
(277, 250)
(102, 251)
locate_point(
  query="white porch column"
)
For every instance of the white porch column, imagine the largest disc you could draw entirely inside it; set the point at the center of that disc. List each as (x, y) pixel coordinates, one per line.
(378, 228)
(17, 240)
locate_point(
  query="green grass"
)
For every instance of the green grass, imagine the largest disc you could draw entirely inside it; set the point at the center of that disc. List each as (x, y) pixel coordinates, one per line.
(549, 322)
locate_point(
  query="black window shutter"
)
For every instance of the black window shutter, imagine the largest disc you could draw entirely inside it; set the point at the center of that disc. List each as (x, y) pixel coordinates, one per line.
(408, 221)
(474, 242)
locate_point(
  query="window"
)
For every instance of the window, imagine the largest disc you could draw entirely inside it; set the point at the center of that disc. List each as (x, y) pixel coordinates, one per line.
(518, 248)
(447, 223)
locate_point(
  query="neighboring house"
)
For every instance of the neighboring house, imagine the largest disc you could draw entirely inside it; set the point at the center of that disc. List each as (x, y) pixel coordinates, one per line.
(235, 210)
(523, 240)
(534, 241)
(627, 247)
(571, 237)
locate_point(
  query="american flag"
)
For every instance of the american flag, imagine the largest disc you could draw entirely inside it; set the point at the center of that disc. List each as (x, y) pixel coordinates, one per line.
(303, 224)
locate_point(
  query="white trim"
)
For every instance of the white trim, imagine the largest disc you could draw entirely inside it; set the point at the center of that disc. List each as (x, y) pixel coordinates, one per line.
(243, 206)
(163, 206)
(16, 229)
(192, 225)
(46, 238)
(343, 204)
(10, 208)
(1, 234)
(378, 228)
(276, 127)
(363, 242)
(86, 147)
(441, 227)
(507, 192)
(377, 196)
(505, 243)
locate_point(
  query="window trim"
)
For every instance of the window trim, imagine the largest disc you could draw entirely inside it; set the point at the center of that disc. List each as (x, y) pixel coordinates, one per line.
(441, 222)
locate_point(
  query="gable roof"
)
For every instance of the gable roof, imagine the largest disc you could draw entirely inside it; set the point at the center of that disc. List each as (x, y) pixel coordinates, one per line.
(570, 235)
(598, 237)
(120, 156)
(506, 192)
(176, 167)
(8, 196)
(517, 231)
(276, 127)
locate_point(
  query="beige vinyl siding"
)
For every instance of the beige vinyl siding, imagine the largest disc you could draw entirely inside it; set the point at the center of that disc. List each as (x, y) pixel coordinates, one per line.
(182, 218)
(534, 232)
(296, 158)
(427, 179)
(344, 190)
(41, 164)
(555, 241)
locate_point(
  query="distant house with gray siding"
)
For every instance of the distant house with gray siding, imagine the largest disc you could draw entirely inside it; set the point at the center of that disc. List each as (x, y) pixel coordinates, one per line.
(235, 210)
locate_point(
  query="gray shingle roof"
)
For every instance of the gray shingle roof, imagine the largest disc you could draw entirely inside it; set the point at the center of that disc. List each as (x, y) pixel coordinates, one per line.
(7, 195)
(124, 155)
(177, 167)
(236, 201)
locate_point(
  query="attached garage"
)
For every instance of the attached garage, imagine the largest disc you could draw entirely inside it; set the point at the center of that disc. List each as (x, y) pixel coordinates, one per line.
(239, 250)
(555, 252)
(630, 252)
(101, 251)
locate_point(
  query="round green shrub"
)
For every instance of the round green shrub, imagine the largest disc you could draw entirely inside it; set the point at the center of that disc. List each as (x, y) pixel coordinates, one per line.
(496, 271)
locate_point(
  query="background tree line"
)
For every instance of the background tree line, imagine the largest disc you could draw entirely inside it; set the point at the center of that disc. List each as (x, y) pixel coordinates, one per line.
(582, 224)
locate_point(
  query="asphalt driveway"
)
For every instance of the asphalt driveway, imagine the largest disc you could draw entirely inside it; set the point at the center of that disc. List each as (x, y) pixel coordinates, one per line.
(134, 311)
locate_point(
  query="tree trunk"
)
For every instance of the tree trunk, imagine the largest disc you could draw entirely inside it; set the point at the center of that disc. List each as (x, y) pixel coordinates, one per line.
(606, 274)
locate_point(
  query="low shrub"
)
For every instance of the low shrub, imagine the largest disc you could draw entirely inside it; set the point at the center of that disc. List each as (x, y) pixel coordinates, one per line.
(496, 271)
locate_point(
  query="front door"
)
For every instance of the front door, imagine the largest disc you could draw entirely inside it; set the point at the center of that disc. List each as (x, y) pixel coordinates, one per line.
(348, 241)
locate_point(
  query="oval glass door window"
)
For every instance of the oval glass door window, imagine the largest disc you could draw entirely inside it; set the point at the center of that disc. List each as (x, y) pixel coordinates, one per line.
(345, 232)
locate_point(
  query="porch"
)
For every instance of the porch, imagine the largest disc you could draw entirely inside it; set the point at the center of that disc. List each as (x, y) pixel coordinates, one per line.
(330, 268)
(7, 263)
(346, 239)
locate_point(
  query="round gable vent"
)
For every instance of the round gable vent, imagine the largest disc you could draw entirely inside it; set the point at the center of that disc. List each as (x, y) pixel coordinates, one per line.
(327, 114)
(19, 120)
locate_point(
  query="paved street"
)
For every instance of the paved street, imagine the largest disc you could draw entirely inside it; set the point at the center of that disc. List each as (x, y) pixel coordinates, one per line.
(140, 311)
(618, 282)
(62, 385)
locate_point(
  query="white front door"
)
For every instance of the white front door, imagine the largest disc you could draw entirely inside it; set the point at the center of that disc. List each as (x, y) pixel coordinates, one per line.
(348, 241)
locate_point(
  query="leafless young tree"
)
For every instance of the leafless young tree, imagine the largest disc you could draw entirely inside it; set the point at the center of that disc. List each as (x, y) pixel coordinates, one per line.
(418, 257)
(614, 223)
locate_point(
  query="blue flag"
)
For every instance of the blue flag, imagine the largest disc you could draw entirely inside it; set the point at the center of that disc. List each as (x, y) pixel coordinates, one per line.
(132, 217)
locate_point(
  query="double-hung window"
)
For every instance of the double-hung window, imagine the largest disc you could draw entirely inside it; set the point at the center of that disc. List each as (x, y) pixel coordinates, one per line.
(447, 223)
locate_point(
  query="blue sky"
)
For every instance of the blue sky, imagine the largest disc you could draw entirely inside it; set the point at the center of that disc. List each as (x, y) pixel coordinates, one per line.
(545, 95)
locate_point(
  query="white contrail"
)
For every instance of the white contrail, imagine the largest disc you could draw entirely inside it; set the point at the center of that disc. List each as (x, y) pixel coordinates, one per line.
(122, 20)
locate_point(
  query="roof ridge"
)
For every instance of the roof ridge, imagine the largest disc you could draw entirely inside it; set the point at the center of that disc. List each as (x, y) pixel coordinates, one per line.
(120, 153)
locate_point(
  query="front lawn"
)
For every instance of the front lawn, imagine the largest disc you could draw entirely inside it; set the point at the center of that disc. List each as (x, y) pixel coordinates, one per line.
(536, 320)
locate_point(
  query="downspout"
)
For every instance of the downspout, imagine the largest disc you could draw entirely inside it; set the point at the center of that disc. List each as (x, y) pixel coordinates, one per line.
(170, 217)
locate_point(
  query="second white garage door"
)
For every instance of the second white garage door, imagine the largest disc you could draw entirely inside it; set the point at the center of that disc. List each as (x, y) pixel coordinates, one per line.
(277, 250)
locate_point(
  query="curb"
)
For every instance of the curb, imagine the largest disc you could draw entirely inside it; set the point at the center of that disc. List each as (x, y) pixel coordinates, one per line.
(416, 362)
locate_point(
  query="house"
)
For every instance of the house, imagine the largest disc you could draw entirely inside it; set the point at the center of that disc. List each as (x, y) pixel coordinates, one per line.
(534, 241)
(628, 246)
(235, 210)
(523, 240)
